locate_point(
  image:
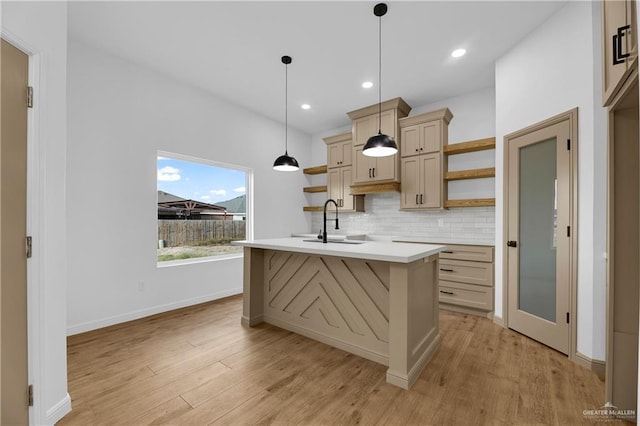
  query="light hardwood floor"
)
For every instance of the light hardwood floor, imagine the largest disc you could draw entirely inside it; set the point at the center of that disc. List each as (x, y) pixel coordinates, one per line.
(198, 365)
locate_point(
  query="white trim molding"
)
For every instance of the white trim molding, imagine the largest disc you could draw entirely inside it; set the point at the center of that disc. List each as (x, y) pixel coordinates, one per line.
(134, 315)
(59, 410)
(35, 225)
(595, 365)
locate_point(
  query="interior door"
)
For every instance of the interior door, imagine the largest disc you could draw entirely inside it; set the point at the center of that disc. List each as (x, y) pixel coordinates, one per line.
(539, 234)
(13, 213)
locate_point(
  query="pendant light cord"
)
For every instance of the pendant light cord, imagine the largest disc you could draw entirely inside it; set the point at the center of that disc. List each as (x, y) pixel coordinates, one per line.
(380, 75)
(286, 111)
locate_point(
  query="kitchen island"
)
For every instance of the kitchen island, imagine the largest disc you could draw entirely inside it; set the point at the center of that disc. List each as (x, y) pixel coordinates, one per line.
(378, 300)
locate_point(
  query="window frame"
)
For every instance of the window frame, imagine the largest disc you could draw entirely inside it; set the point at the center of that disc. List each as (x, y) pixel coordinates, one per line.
(248, 199)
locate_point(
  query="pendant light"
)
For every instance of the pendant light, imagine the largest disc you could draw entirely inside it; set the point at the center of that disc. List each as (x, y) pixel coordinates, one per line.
(380, 145)
(286, 163)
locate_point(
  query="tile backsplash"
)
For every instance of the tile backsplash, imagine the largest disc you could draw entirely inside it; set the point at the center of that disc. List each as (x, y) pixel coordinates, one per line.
(383, 217)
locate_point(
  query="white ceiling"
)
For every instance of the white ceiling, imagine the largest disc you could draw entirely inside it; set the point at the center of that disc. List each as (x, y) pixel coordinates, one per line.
(233, 49)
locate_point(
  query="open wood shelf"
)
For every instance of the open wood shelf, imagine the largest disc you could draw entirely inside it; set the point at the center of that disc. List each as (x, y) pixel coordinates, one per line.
(471, 174)
(312, 208)
(487, 172)
(319, 188)
(375, 188)
(317, 170)
(471, 146)
(472, 202)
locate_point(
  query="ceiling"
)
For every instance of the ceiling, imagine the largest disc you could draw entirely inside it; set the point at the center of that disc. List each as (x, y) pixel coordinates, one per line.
(233, 49)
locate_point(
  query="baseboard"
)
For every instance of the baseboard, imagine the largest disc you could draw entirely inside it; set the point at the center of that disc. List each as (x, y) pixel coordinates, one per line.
(59, 410)
(406, 382)
(117, 319)
(499, 321)
(595, 365)
(380, 358)
(250, 322)
(465, 310)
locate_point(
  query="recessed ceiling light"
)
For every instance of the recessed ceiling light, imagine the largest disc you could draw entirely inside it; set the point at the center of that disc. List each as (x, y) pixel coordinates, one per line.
(458, 52)
(305, 106)
(367, 84)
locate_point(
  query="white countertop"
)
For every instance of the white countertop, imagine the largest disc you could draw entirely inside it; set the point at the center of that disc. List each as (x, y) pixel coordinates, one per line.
(429, 240)
(385, 251)
(400, 238)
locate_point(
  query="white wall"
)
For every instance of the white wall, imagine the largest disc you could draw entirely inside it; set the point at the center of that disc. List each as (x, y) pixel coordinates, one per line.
(473, 118)
(547, 73)
(41, 29)
(119, 116)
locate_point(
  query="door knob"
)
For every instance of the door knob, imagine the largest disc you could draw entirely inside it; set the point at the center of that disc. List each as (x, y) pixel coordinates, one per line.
(512, 244)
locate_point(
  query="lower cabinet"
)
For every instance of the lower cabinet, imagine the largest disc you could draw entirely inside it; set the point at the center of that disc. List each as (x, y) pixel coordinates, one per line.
(467, 279)
(339, 181)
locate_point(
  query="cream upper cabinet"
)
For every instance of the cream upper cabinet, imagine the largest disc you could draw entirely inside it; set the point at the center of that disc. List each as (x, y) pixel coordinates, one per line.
(339, 150)
(410, 194)
(422, 166)
(340, 175)
(365, 127)
(421, 138)
(366, 123)
(421, 182)
(620, 45)
(338, 187)
(339, 154)
(374, 169)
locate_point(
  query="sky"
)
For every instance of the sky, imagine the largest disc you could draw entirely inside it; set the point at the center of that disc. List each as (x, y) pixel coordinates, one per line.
(200, 182)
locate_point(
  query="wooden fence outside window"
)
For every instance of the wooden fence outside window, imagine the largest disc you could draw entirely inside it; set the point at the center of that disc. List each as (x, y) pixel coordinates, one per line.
(177, 233)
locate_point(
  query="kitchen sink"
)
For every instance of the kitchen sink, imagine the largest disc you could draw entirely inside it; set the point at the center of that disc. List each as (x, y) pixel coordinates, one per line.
(336, 241)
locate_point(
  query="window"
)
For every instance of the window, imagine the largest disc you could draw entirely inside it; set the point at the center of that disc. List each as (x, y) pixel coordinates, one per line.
(202, 207)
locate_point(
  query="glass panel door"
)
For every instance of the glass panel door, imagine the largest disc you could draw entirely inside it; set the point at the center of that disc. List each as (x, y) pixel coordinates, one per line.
(538, 229)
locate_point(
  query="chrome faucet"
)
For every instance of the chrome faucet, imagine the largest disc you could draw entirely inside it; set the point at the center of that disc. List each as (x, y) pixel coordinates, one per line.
(324, 218)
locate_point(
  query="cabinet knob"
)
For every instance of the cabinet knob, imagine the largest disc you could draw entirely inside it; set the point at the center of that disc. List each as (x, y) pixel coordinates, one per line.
(416, 149)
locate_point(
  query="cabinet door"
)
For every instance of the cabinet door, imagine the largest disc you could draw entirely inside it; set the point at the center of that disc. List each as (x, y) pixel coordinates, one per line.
(345, 182)
(339, 154)
(410, 140)
(385, 168)
(430, 137)
(410, 190)
(363, 166)
(389, 122)
(632, 39)
(334, 184)
(614, 16)
(364, 128)
(334, 155)
(431, 181)
(345, 148)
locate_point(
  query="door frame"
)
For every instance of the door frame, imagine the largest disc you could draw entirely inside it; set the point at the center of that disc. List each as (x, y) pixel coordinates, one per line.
(572, 116)
(35, 200)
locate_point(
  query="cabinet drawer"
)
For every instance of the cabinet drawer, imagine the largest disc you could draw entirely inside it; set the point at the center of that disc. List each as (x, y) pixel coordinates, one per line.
(472, 296)
(474, 253)
(467, 272)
